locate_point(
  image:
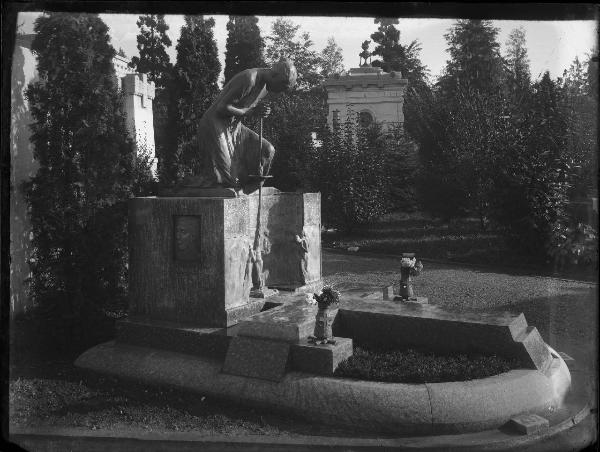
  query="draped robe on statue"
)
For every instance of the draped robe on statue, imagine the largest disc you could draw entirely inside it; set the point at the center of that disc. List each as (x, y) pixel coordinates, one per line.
(229, 149)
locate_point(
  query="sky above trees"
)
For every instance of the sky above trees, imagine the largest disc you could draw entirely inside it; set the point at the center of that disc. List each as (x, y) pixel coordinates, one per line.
(551, 45)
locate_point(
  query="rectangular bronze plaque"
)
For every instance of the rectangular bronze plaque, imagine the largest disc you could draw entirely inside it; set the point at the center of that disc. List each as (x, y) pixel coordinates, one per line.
(187, 239)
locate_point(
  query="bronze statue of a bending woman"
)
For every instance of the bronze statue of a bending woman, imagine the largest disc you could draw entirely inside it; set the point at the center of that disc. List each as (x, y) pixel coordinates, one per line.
(228, 148)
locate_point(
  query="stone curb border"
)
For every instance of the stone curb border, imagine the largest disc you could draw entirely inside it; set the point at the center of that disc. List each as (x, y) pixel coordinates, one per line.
(405, 409)
(574, 433)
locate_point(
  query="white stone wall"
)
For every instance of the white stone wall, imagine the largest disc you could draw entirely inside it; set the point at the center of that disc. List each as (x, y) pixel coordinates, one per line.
(379, 93)
(385, 106)
(121, 69)
(139, 94)
(23, 167)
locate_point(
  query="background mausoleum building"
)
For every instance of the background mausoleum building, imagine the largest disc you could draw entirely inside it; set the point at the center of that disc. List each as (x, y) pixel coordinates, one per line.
(368, 92)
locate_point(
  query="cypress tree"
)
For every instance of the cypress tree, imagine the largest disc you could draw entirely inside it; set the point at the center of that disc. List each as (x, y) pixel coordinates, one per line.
(517, 64)
(152, 42)
(244, 48)
(192, 90)
(517, 59)
(398, 57)
(475, 62)
(87, 169)
(579, 103)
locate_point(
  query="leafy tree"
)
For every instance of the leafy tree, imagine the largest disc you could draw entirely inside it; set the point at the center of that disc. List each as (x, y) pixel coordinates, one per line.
(517, 61)
(87, 170)
(152, 42)
(192, 90)
(387, 40)
(579, 103)
(459, 141)
(537, 163)
(548, 121)
(592, 74)
(351, 171)
(244, 47)
(283, 42)
(295, 115)
(332, 60)
(293, 119)
(453, 125)
(436, 187)
(531, 176)
(475, 59)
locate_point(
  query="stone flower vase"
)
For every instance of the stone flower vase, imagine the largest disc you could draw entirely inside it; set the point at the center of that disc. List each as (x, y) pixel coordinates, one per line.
(324, 322)
(406, 289)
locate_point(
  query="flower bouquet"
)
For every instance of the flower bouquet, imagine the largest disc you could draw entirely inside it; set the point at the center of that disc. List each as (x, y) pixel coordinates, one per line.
(409, 267)
(415, 267)
(329, 297)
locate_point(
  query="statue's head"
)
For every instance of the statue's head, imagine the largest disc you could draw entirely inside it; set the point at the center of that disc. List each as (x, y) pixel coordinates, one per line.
(283, 76)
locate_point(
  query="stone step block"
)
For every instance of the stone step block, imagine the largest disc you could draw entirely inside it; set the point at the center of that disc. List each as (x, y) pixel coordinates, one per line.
(291, 322)
(320, 359)
(257, 358)
(529, 424)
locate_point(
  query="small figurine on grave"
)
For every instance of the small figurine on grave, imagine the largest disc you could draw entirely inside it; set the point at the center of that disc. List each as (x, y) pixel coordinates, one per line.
(328, 301)
(409, 267)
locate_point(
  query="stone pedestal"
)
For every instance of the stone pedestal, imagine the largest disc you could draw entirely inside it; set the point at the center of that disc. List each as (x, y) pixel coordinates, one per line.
(190, 256)
(322, 359)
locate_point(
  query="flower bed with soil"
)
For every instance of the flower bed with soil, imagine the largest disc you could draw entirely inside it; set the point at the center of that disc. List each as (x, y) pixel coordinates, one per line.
(412, 366)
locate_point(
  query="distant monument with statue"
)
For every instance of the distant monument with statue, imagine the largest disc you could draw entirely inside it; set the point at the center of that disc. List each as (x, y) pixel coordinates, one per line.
(369, 92)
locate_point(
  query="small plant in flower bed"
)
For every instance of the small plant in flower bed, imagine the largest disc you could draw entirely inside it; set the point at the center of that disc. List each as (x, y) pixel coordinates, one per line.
(412, 366)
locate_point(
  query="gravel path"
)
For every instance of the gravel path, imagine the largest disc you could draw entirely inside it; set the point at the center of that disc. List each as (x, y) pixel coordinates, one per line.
(565, 312)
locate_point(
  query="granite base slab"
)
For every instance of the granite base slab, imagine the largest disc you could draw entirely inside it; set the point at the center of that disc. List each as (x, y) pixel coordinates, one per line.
(430, 328)
(164, 335)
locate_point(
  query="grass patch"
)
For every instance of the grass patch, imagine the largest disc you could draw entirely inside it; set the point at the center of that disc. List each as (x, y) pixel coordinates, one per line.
(61, 403)
(55, 394)
(411, 366)
(459, 240)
